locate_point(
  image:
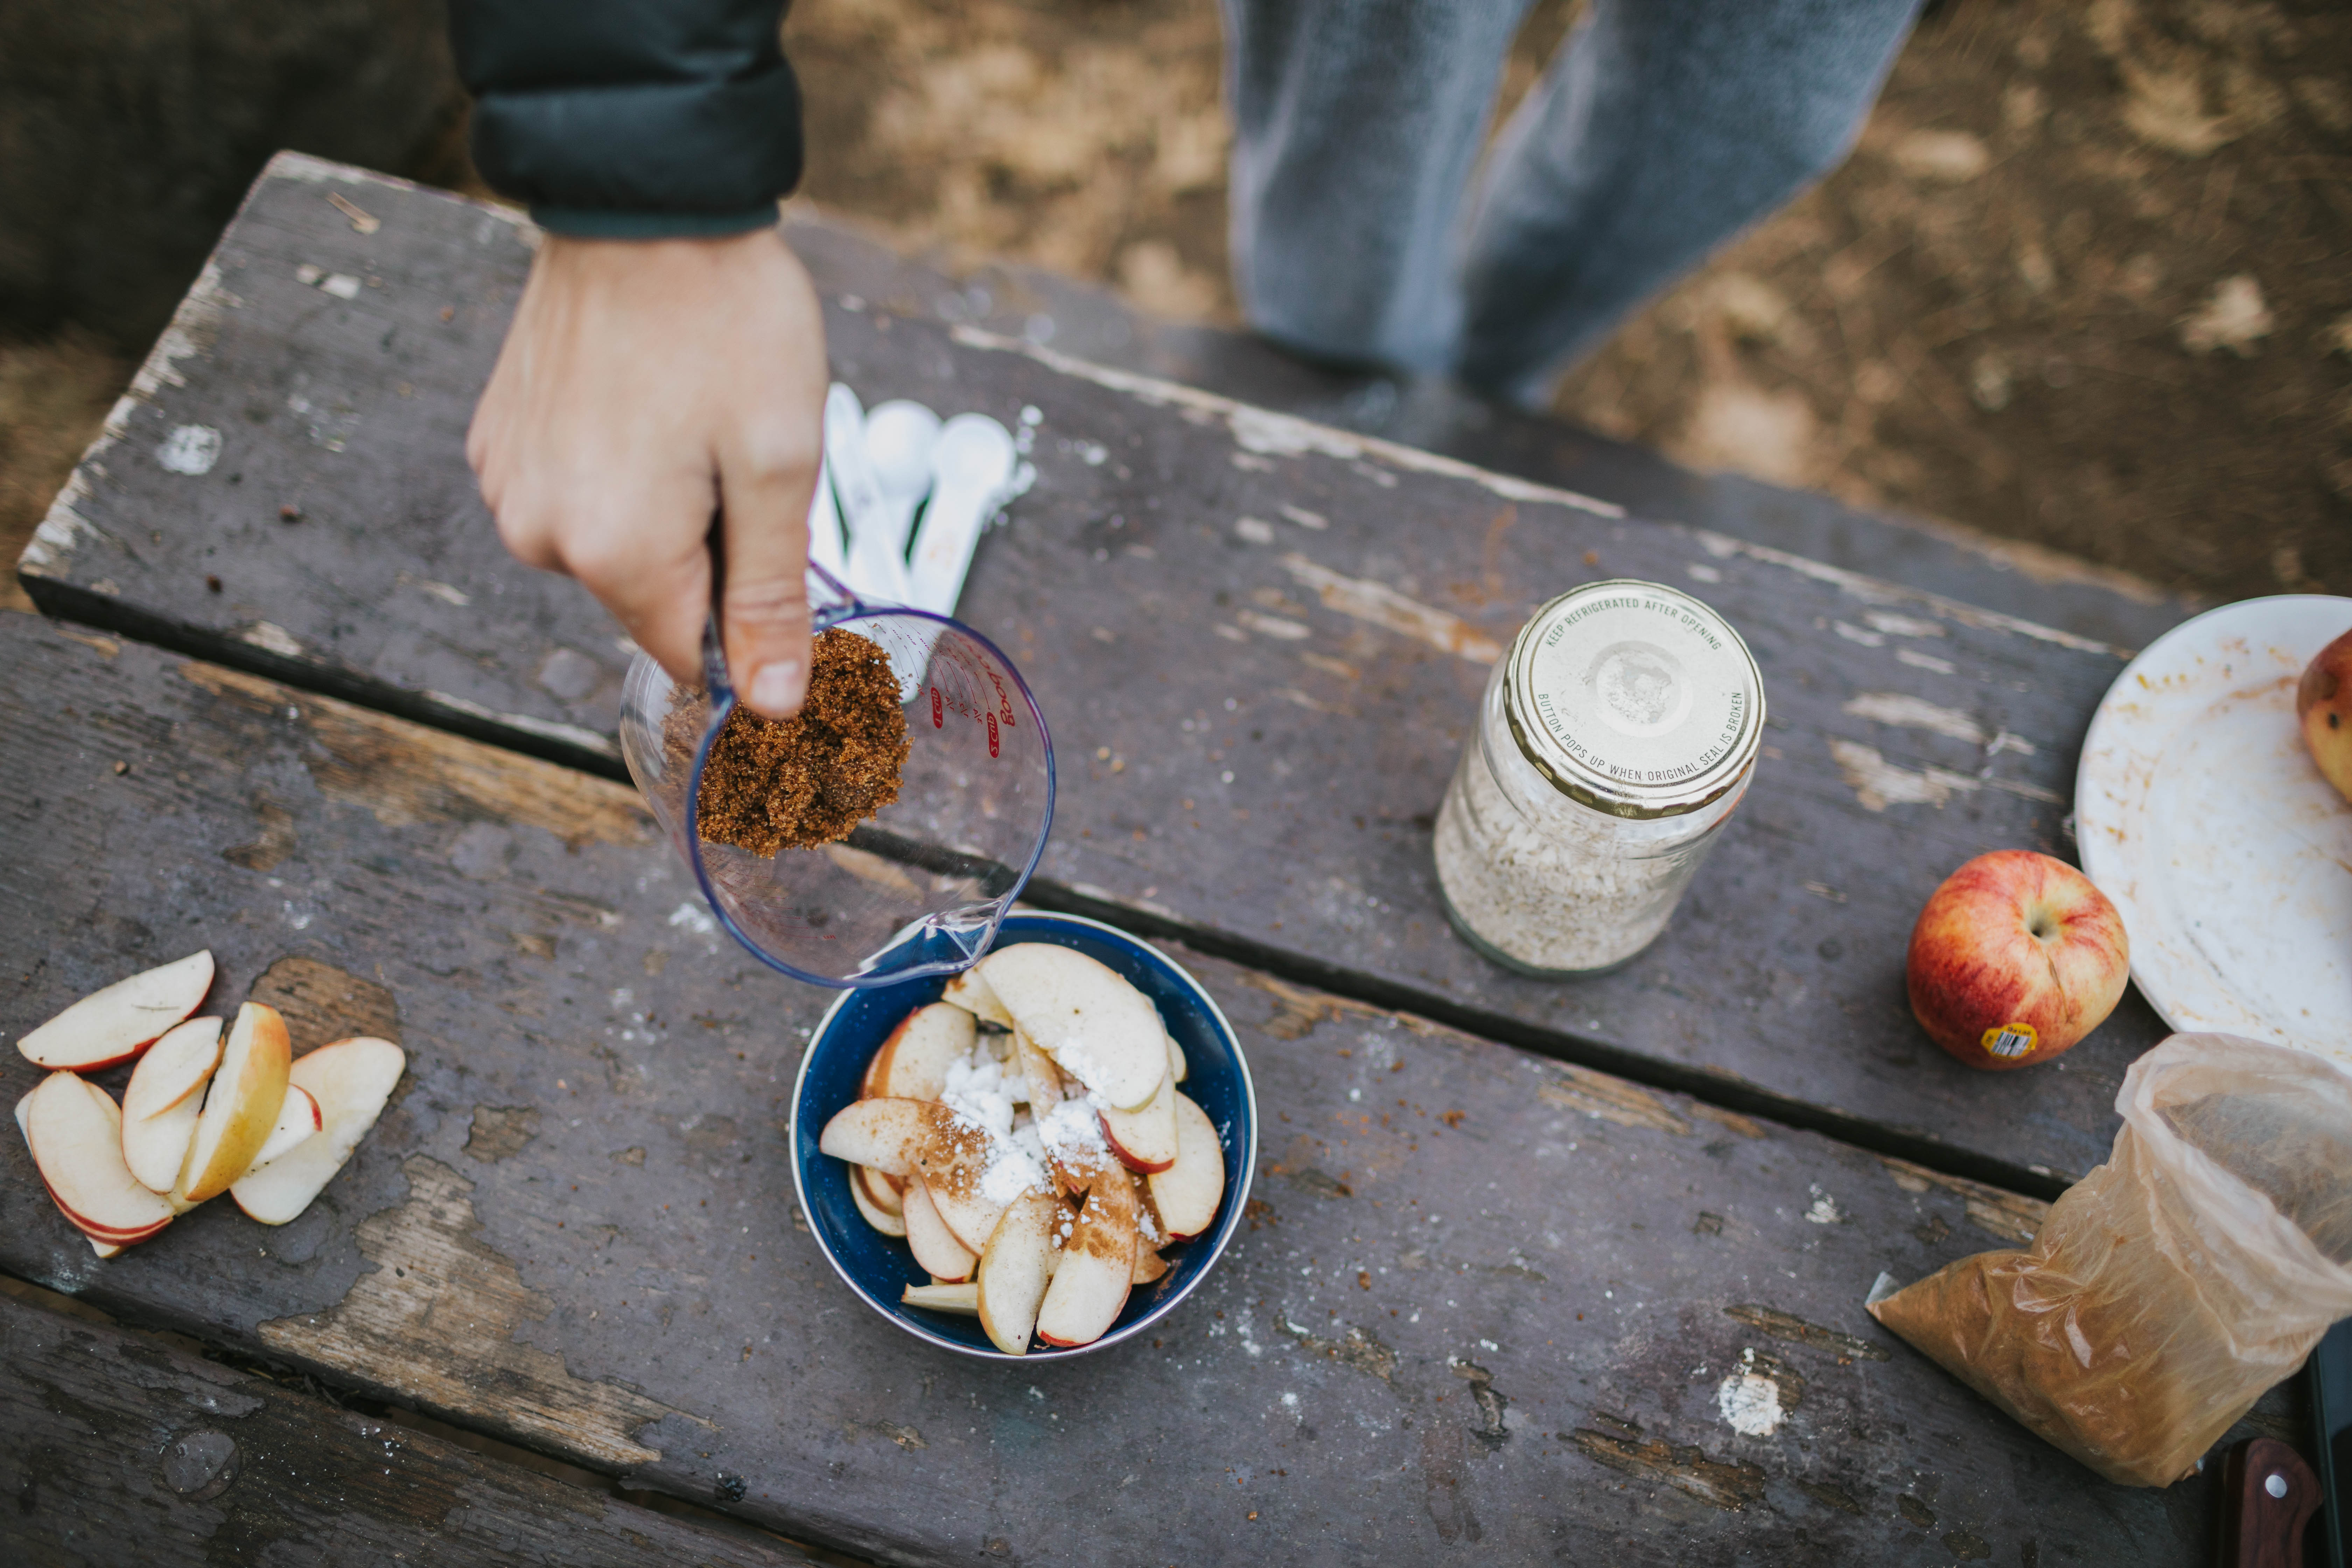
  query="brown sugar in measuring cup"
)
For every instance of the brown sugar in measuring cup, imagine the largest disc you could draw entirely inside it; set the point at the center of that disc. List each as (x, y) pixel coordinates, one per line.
(919, 809)
(772, 785)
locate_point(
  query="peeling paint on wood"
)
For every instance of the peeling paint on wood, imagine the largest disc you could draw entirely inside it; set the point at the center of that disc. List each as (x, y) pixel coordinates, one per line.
(1379, 605)
(1787, 1326)
(323, 1001)
(1266, 433)
(1608, 1099)
(435, 1321)
(403, 772)
(1728, 1485)
(2012, 1217)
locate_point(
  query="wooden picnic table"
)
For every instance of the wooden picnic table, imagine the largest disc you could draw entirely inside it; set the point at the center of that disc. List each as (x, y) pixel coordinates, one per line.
(1508, 1241)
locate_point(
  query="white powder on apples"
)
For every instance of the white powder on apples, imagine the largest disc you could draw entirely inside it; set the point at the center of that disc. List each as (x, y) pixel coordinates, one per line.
(1072, 1134)
(1073, 1057)
(983, 1094)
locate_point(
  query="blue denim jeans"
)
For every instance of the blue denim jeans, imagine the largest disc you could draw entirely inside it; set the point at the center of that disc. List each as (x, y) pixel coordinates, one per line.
(1365, 233)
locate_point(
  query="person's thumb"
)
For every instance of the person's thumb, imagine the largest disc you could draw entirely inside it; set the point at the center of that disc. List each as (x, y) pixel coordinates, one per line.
(764, 611)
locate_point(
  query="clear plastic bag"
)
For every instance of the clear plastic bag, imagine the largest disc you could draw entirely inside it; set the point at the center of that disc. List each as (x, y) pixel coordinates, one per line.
(2174, 1284)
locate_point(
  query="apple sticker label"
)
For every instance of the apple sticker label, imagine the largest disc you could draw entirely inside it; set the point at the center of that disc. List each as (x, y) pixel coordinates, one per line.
(2011, 1041)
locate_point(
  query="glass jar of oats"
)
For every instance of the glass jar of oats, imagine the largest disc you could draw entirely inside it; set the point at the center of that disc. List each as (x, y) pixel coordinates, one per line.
(1612, 742)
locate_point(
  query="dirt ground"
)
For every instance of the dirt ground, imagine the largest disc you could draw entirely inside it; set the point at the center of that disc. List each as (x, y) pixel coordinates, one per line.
(2086, 281)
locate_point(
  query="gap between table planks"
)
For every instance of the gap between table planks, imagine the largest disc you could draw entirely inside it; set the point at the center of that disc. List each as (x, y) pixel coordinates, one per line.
(1179, 553)
(1484, 1310)
(119, 1447)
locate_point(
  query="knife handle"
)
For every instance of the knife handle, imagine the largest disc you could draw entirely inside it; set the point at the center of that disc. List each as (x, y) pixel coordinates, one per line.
(2268, 1496)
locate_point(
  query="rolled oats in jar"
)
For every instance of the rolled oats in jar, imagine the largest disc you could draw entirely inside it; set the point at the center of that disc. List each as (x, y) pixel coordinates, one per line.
(1613, 739)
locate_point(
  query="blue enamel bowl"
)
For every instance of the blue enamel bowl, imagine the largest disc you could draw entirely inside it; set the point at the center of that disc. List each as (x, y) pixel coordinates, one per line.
(877, 1267)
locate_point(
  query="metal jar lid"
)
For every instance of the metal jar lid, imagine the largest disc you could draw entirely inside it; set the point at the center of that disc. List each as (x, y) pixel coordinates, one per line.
(1635, 699)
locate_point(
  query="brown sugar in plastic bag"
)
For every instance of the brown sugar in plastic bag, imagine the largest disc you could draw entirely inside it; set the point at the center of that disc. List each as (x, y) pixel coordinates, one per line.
(2172, 1285)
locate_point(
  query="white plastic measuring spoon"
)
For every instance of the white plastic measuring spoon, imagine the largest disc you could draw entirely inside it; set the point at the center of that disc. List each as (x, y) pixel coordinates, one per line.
(899, 435)
(874, 574)
(824, 545)
(975, 461)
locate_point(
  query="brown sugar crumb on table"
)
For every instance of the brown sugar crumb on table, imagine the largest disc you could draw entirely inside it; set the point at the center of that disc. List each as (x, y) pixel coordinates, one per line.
(792, 783)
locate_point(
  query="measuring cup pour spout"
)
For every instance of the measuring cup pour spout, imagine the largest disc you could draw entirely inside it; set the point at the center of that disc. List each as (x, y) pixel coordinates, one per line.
(920, 888)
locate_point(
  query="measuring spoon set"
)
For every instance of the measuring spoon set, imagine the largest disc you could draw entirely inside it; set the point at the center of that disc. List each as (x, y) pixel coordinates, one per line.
(903, 497)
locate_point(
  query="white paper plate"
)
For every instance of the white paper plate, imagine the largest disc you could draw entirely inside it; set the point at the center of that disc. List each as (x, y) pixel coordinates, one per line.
(2201, 814)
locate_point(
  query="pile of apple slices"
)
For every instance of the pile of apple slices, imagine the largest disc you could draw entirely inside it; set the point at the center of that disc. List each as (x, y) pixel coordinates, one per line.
(208, 1110)
(1038, 1167)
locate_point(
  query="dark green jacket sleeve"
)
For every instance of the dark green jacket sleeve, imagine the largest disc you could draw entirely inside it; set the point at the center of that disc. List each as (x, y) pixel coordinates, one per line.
(633, 119)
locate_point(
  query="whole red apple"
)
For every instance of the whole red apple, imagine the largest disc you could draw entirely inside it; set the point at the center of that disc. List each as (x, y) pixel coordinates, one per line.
(2323, 705)
(2014, 959)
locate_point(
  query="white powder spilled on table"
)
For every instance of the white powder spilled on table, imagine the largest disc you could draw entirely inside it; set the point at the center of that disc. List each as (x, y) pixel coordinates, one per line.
(1559, 894)
(983, 1094)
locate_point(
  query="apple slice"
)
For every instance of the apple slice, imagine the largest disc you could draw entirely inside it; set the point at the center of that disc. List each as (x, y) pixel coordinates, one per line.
(155, 1148)
(1177, 1067)
(971, 993)
(884, 1133)
(963, 1299)
(1097, 1028)
(883, 1192)
(912, 1064)
(1148, 1266)
(77, 1143)
(935, 1247)
(874, 1214)
(954, 1172)
(1096, 1270)
(113, 1114)
(172, 1068)
(104, 1249)
(1145, 1140)
(1187, 1194)
(25, 1126)
(1038, 1072)
(922, 1138)
(352, 1081)
(298, 1119)
(117, 1023)
(1015, 1270)
(242, 1104)
(159, 1146)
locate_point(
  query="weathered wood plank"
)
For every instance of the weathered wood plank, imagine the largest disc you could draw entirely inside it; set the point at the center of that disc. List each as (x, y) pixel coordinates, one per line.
(119, 1448)
(1483, 1312)
(1207, 599)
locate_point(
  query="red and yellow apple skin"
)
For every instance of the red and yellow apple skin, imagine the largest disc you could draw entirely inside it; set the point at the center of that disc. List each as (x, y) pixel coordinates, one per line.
(2016, 957)
(2323, 706)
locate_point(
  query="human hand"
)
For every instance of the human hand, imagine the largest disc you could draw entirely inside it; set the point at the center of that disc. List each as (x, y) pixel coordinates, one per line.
(643, 385)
